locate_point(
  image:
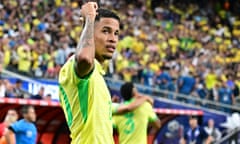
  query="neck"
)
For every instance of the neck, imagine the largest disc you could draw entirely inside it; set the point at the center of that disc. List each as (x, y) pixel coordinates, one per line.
(100, 60)
(27, 120)
(193, 127)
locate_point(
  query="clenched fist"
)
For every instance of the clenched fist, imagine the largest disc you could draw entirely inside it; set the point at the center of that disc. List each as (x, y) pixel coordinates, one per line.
(89, 10)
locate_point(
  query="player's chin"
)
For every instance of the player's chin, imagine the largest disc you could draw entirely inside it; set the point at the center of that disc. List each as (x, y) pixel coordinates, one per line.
(108, 56)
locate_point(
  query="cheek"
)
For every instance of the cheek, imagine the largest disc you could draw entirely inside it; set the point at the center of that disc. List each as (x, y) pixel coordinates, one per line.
(99, 41)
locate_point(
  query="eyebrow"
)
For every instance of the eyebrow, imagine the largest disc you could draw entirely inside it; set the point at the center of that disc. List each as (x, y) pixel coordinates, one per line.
(109, 28)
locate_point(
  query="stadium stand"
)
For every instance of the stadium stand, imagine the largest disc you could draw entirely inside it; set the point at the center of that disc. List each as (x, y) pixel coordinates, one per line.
(190, 48)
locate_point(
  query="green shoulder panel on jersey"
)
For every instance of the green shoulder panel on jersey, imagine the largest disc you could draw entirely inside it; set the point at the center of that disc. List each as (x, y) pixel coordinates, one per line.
(83, 98)
(67, 106)
(83, 85)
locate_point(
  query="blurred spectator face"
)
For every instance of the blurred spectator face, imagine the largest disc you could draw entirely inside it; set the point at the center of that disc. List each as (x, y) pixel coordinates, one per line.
(9, 87)
(18, 84)
(41, 91)
(106, 36)
(11, 116)
(31, 115)
(26, 48)
(211, 123)
(193, 122)
(5, 41)
(224, 84)
(48, 97)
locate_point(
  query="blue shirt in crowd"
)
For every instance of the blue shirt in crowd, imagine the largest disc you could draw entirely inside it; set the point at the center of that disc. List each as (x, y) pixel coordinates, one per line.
(225, 95)
(187, 84)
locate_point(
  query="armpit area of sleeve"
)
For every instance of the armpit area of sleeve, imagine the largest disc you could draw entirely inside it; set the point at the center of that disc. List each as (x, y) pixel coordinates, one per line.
(75, 72)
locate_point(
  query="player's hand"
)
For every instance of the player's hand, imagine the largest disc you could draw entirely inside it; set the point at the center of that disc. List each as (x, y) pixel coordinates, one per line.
(115, 98)
(89, 10)
(146, 98)
(149, 99)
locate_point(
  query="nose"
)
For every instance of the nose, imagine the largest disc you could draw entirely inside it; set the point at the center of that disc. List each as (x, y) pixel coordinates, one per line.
(112, 38)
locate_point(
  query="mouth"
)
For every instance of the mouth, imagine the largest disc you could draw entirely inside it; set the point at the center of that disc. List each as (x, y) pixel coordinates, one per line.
(110, 48)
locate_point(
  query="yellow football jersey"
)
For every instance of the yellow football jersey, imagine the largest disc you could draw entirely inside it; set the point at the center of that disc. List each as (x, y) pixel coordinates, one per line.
(86, 103)
(132, 126)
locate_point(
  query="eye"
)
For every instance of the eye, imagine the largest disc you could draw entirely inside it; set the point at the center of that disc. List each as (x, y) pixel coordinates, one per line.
(105, 31)
(116, 33)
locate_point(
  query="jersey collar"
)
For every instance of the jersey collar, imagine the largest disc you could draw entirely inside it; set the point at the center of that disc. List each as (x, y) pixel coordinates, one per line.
(99, 67)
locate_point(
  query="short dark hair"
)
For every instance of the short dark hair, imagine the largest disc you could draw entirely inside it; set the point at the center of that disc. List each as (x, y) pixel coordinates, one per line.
(25, 109)
(126, 90)
(86, 1)
(105, 13)
(18, 81)
(193, 117)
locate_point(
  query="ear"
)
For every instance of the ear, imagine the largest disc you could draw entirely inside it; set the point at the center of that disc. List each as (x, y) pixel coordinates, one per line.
(133, 92)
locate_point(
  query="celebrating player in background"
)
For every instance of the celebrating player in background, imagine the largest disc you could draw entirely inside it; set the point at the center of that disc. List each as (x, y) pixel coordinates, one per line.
(132, 126)
(23, 131)
(84, 96)
(118, 108)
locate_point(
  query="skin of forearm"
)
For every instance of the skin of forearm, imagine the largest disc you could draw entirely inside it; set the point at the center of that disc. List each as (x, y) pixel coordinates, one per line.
(127, 108)
(86, 46)
(145, 98)
(85, 51)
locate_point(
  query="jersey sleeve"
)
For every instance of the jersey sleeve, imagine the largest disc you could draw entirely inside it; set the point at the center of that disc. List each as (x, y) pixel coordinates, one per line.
(68, 73)
(17, 126)
(151, 114)
(115, 107)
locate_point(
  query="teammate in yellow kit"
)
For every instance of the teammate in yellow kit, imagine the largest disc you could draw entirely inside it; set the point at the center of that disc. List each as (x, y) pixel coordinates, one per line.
(132, 126)
(84, 96)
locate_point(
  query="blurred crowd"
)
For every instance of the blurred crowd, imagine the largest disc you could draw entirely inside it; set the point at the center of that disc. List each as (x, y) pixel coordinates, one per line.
(190, 47)
(16, 90)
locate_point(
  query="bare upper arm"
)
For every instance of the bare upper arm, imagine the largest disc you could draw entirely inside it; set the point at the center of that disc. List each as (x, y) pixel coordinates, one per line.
(156, 123)
(132, 106)
(122, 109)
(10, 136)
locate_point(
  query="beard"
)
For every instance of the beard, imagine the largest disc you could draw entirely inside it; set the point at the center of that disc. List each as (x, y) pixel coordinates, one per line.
(107, 57)
(103, 57)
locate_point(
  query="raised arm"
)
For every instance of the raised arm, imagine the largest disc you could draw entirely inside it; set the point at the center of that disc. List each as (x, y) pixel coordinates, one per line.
(10, 136)
(147, 98)
(156, 124)
(133, 105)
(85, 51)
